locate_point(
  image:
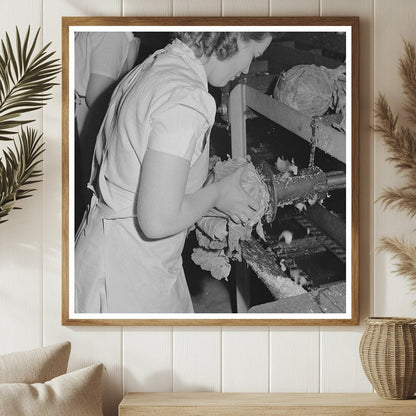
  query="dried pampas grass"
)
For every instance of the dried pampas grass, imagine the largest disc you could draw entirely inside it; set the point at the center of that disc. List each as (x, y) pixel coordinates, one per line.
(401, 142)
(405, 254)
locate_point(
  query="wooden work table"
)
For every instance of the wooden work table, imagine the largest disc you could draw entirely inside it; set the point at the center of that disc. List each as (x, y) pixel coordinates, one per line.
(263, 404)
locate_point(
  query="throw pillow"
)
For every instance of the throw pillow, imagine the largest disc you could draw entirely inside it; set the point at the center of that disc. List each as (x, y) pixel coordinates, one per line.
(73, 394)
(35, 366)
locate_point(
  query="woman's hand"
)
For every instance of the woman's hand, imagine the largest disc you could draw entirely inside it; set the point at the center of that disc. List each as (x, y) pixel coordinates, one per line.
(163, 208)
(233, 199)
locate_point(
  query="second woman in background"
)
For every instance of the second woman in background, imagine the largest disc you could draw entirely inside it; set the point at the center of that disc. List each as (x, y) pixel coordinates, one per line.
(101, 60)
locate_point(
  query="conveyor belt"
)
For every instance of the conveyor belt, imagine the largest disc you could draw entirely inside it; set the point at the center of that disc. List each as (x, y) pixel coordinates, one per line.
(301, 246)
(324, 239)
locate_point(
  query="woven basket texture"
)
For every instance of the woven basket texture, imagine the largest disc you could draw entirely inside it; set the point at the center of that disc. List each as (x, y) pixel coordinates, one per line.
(388, 356)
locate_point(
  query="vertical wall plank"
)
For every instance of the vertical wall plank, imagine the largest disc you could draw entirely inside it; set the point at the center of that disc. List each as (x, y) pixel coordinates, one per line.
(147, 359)
(294, 8)
(245, 359)
(197, 359)
(340, 362)
(147, 8)
(245, 8)
(196, 8)
(341, 368)
(12, 16)
(89, 345)
(21, 237)
(83, 8)
(294, 360)
(394, 21)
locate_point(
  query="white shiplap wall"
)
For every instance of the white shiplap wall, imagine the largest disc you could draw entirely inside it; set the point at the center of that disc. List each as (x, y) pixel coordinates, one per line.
(236, 359)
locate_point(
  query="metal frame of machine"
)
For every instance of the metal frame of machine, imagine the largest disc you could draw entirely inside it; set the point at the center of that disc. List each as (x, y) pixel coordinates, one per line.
(244, 102)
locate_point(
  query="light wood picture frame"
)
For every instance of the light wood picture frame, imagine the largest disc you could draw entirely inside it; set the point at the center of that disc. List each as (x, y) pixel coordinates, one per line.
(306, 270)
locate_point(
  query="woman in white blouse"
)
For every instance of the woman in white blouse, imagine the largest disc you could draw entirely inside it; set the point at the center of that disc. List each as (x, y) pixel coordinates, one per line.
(150, 164)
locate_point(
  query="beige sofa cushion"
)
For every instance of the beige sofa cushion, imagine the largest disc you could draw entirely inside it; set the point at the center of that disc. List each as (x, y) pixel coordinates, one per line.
(35, 366)
(73, 394)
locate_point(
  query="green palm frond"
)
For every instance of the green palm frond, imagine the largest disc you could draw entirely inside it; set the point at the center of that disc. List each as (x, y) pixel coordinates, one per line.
(19, 170)
(25, 79)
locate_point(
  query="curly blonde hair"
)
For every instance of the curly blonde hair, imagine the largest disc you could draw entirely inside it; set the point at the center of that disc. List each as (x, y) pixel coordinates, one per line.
(224, 44)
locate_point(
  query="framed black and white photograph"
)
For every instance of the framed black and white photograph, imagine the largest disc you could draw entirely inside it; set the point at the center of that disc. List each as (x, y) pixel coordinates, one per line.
(210, 171)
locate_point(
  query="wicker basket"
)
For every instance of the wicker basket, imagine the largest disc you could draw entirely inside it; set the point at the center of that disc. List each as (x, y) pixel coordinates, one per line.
(388, 356)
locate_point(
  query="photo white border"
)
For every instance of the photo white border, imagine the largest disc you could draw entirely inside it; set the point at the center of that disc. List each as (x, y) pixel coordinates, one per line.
(216, 316)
